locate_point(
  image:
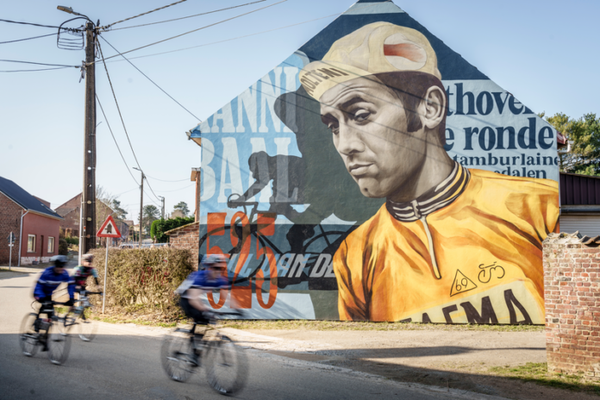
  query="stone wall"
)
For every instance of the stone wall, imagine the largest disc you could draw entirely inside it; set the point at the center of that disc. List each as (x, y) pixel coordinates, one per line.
(572, 295)
(186, 237)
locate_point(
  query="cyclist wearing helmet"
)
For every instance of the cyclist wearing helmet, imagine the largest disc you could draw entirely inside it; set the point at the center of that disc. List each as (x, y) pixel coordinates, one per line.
(212, 276)
(49, 281)
(83, 271)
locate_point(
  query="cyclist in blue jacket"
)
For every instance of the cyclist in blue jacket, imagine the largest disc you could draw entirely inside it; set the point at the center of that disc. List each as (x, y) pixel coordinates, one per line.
(49, 281)
(211, 276)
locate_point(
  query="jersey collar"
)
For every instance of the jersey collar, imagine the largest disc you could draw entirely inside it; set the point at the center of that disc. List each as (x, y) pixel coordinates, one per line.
(434, 199)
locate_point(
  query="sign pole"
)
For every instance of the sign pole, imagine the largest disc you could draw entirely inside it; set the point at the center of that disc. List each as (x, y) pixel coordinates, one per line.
(107, 230)
(11, 243)
(105, 273)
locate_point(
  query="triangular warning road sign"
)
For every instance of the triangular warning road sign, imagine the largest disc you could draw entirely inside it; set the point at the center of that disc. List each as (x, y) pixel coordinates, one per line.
(109, 229)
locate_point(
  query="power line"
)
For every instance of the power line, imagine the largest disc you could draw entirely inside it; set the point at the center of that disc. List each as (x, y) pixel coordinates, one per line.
(118, 108)
(38, 63)
(195, 30)
(231, 39)
(150, 198)
(189, 16)
(162, 180)
(177, 190)
(140, 15)
(154, 83)
(29, 38)
(28, 23)
(121, 117)
(32, 70)
(122, 121)
(114, 139)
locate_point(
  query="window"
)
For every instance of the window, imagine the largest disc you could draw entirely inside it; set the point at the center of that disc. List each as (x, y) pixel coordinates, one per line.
(50, 244)
(31, 243)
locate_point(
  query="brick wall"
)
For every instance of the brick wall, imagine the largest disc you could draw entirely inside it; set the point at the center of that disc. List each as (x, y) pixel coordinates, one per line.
(186, 237)
(572, 296)
(10, 220)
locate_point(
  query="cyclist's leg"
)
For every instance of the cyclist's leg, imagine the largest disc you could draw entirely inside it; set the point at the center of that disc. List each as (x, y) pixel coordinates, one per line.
(199, 319)
(46, 307)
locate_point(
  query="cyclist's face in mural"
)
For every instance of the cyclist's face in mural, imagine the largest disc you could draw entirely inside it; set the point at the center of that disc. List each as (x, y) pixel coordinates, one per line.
(368, 123)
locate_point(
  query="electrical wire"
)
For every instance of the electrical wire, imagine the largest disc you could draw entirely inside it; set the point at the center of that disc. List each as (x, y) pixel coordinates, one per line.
(38, 63)
(196, 30)
(32, 70)
(150, 198)
(162, 180)
(29, 38)
(119, 109)
(114, 139)
(28, 23)
(189, 16)
(154, 83)
(230, 39)
(177, 190)
(127, 191)
(142, 14)
(122, 120)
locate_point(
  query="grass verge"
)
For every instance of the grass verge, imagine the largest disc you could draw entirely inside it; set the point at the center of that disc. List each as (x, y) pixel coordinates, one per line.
(371, 326)
(114, 316)
(538, 373)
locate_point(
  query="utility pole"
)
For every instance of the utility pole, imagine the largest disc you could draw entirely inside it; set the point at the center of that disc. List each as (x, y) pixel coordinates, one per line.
(87, 231)
(141, 206)
(162, 199)
(89, 157)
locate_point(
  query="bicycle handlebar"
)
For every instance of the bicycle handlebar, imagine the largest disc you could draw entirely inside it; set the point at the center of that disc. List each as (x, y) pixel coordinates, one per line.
(236, 203)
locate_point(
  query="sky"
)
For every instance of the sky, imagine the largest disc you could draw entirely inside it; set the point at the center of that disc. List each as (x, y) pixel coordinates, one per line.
(544, 52)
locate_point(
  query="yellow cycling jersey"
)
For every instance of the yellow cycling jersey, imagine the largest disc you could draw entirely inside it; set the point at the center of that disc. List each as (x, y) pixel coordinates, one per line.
(471, 252)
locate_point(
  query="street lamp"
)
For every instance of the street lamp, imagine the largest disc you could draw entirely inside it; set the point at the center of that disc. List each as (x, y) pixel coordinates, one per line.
(141, 206)
(70, 11)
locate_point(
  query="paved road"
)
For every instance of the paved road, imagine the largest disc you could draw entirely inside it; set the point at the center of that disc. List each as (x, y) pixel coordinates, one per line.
(123, 363)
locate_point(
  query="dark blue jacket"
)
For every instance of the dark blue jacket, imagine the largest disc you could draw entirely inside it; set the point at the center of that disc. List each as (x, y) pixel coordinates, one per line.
(49, 281)
(200, 280)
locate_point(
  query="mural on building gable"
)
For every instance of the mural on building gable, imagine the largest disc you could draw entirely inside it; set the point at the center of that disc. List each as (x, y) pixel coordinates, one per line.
(376, 175)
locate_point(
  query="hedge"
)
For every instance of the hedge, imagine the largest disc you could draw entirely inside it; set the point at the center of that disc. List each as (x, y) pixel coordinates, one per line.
(142, 281)
(160, 226)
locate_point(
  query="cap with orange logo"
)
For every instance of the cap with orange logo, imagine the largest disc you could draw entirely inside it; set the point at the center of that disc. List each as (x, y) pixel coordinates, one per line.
(375, 48)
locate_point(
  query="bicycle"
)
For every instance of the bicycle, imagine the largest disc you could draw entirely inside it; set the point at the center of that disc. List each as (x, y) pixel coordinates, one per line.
(49, 333)
(226, 363)
(80, 316)
(322, 241)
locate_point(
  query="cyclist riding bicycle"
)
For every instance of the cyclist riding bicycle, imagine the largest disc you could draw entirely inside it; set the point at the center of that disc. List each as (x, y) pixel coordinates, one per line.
(212, 276)
(47, 284)
(83, 271)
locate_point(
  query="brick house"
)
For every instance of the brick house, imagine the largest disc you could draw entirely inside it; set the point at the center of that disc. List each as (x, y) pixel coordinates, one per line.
(69, 226)
(32, 221)
(70, 211)
(186, 237)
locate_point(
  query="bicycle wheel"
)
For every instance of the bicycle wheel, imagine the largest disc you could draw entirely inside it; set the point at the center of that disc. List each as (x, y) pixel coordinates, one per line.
(59, 342)
(86, 327)
(226, 365)
(28, 337)
(176, 356)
